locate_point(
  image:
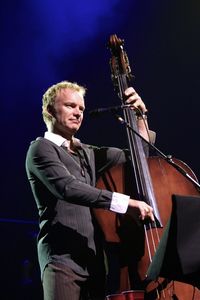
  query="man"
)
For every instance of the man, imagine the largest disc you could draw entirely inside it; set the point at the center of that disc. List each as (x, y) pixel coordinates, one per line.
(62, 172)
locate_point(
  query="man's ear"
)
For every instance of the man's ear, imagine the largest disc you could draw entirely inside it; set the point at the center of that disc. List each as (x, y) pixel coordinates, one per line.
(51, 110)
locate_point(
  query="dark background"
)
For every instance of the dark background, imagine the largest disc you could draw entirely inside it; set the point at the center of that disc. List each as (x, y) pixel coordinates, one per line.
(44, 42)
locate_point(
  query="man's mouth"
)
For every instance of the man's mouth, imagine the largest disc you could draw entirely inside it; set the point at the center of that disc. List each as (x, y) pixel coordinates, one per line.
(75, 121)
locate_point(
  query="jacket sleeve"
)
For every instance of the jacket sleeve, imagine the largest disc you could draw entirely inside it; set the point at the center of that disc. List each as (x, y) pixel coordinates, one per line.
(46, 171)
(107, 157)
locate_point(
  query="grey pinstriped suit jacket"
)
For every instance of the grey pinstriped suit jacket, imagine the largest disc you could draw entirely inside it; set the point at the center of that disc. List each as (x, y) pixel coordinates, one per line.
(64, 198)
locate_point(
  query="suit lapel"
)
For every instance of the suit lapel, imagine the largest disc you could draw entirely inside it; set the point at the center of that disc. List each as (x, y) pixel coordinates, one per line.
(89, 157)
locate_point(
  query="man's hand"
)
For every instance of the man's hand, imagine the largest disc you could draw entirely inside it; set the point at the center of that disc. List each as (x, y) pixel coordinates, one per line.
(146, 211)
(134, 100)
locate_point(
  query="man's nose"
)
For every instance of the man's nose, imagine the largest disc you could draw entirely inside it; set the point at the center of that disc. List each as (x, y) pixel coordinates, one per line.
(77, 112)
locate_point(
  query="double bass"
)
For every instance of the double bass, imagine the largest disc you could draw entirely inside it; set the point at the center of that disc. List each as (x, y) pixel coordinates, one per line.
(153, 180)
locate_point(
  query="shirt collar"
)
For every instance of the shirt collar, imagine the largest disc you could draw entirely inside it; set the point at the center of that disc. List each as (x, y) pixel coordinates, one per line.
(59, 140)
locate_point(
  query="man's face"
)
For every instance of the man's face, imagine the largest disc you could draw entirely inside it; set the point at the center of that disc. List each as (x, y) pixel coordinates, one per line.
(68, 112)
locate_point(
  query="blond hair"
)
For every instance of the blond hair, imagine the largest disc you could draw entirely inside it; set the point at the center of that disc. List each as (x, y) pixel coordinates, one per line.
(49, 96)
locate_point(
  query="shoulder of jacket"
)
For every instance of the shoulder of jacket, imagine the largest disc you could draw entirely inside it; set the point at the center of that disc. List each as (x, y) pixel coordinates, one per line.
(92, 147)
(41, 142)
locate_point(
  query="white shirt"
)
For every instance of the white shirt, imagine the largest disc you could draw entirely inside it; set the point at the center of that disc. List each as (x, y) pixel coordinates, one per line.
(119, 203)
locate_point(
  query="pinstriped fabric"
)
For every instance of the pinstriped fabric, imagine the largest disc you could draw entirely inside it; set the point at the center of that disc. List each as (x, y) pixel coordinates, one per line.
(67, 235)
(61, 283)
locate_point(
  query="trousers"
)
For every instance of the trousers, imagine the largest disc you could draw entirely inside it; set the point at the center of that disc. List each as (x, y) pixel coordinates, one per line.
(61, 283)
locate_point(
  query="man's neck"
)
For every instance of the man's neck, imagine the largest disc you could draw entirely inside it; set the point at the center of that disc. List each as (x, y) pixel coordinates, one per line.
(64, 134)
